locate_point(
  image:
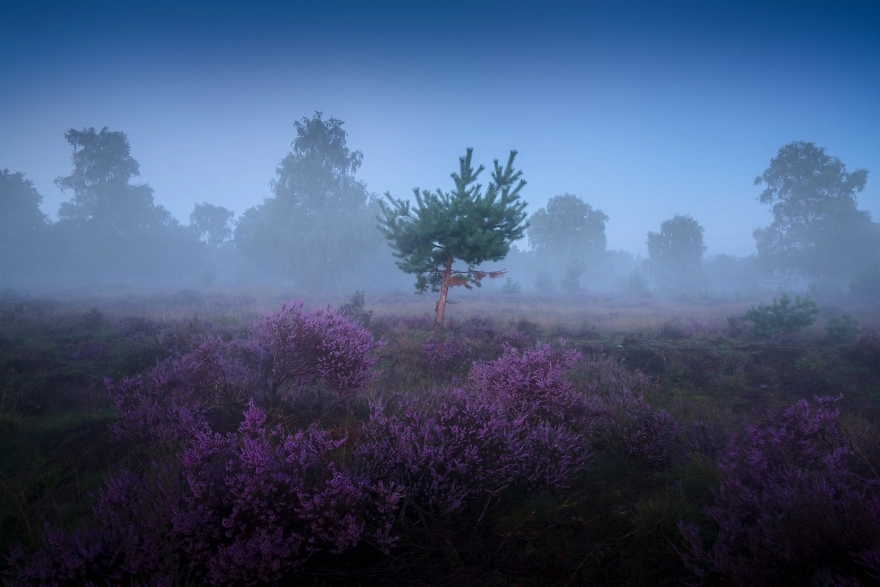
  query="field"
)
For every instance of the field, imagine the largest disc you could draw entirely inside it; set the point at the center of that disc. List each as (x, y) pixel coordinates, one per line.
(601, 441)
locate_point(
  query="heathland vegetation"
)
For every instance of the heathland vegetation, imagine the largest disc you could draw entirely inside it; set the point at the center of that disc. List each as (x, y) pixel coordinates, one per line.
(597, 419)
(214, 439)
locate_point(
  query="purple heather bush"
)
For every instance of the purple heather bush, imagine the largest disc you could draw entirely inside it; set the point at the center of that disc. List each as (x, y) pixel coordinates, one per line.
(791, 504)
(641, 430)
(235, 509)
(531, 384)
(459, 445)
(260, 502)
(317, 345)
(170, 402)
(444, 353)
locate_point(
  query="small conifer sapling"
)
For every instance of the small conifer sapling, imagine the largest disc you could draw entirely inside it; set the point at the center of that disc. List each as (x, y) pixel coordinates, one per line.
(465, 224)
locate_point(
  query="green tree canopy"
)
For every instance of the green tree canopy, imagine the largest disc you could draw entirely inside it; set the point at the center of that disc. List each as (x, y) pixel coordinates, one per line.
(102, 169)
(568, 227)
(465, 224)
(675, 254)
(212, 224)
(110, 228)
(817, 228)
(569, 238)
(23, 226)
(316, 226)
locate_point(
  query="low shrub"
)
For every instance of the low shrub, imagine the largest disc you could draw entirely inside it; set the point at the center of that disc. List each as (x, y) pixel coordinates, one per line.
(790, 504)
(841, 329)
(782, 317)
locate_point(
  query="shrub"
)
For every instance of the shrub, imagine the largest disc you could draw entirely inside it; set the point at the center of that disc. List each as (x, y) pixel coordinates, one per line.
(789, 503)
(318, 345)
(867, 348)
(171, 401)
(261, 501)
(353, 309)
(782, 317)
(443, 353)
(240, 509)
(532, 383)
(867, 283)
(455, 446)
(642, 431)
(511, 287)
(841, 328)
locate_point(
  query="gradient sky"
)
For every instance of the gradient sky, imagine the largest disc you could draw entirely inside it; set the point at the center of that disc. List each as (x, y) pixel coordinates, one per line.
(643, 109)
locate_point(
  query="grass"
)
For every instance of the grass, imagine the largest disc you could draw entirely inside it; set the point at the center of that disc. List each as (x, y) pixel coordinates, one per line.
(616, 526)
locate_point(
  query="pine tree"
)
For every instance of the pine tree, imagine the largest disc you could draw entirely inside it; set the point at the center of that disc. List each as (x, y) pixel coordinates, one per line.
(464, 224)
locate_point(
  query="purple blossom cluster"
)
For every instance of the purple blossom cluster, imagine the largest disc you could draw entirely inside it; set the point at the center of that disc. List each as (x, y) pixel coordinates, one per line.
(239, 509)
(443, 353)
(791, 504)
(532, 383)
(458, 445)
(506, 428)
(170, 402)
(318, 345)
(643, 431)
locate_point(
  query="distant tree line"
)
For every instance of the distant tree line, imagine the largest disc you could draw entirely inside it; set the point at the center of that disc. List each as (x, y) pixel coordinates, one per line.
(318, 230)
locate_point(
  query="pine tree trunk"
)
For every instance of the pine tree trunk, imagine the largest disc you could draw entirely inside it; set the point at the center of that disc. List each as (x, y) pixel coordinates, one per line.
(444, 290)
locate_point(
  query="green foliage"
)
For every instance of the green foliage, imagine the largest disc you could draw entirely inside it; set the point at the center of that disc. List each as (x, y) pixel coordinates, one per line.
(511, 287)
(571, 283)
(568, 231)
(464, 224)
(817, 229)
(317, 226)
(22, 224)
(867, 283)
(212, 224)
(675, 254)
(636, 283)
(544, 282)
(112, 228)
(782, 317)
(842, 328)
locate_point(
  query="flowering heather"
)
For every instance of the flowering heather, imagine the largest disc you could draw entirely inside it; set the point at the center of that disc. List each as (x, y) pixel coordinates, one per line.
(789, 504)
(531, 383)
(444, 353)
(171, 401)
(506, 428)
(261, 501)
(321, 344)
(444, 454)
(130, 541)
(643, 431)
(239, 509)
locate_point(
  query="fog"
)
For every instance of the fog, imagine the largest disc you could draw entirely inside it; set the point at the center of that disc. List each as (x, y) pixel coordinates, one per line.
(163, 148)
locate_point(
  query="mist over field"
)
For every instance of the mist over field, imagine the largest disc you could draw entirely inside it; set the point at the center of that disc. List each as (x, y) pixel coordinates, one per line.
(644, 236)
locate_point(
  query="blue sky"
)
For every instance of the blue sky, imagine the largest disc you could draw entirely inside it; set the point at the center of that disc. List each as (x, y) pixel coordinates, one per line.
(643, 109)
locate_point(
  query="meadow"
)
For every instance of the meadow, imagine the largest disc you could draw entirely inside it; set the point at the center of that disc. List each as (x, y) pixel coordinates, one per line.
(250, 438)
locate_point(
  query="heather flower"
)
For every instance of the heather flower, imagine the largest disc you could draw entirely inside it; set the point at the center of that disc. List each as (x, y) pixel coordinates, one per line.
(532, 383)
(643, 431)
(789, 503)
(318, 345)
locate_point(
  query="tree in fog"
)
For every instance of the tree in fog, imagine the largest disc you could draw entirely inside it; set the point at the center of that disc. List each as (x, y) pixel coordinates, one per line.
(111, 227)
(569, 236)
(212, 224)
(817, 229)
(316, 227)
(23, 226)
(464, 224)
(675, 254)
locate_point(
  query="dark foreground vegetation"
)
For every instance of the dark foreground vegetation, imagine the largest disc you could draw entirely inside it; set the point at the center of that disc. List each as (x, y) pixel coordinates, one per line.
(198, 439)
